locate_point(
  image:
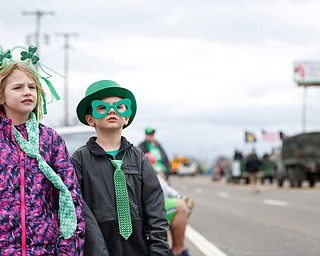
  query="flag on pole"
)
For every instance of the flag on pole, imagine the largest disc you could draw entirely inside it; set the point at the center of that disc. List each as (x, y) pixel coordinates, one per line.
(250, 137)
(270, 136)
(282, 135)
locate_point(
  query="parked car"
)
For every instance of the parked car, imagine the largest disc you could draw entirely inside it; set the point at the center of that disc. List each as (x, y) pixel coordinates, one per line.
(75, 136)
(188, 168)
(177, 161)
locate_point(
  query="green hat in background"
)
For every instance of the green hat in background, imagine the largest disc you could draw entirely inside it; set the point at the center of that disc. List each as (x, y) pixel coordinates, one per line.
(150, 130)
(103, 89)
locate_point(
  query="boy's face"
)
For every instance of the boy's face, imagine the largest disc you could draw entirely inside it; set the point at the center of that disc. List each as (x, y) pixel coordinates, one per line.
(104, 116)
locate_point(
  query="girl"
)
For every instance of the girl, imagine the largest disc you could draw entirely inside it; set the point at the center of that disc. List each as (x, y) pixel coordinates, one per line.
(40, 202)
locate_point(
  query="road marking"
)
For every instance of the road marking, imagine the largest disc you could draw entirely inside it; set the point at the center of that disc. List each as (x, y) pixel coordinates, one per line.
(199, 190)
(224, 194)
(275, 202)
(202, 243)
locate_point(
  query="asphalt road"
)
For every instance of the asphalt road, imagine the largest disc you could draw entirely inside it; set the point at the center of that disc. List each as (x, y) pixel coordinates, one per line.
(229, 220)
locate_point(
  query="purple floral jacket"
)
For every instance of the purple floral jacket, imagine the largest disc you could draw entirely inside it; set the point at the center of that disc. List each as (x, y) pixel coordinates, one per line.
(29, 203)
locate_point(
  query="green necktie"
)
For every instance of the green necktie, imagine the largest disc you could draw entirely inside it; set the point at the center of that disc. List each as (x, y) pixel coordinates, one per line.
(67, 214)
(122, 200)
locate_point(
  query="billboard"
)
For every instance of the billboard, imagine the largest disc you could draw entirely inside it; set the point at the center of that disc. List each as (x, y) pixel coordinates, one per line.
(307, 73)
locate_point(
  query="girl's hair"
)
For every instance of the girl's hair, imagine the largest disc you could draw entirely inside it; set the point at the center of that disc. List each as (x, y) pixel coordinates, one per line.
(7, 70)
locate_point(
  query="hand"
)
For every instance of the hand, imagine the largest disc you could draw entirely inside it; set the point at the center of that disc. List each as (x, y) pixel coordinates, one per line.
(190, 204)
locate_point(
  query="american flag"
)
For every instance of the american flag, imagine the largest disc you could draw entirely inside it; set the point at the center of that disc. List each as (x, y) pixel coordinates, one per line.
(270, 136)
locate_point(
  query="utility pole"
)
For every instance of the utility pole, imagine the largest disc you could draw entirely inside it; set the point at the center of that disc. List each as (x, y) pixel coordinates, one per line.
(66, 69)
(304, 110)
(38, 15)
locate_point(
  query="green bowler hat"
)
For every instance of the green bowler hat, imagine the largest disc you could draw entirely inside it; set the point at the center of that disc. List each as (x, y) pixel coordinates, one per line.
(103, 89)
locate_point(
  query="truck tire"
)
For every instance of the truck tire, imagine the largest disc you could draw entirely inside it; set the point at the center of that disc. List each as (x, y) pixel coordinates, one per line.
(291, 177)
(299, 183)
(300, 175)
(280, 183)
(311, 179)
(296, 176)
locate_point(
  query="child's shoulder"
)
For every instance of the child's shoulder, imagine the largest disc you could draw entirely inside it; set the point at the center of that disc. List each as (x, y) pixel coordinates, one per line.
(48, 131)
(137, 149)
(139, 156)
(46, 127)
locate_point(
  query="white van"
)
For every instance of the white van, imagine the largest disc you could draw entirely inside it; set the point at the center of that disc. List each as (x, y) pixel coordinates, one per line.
(75, 136)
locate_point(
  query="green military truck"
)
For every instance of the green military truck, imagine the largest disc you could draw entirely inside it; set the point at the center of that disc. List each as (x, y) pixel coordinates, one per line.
(300, 159)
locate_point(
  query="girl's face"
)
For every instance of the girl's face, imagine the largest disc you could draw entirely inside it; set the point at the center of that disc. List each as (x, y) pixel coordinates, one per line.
(111, 120)
(20, 96)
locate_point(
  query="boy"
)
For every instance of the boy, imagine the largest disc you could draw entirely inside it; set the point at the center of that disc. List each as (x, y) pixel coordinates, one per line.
(179, 209)
(107, 160)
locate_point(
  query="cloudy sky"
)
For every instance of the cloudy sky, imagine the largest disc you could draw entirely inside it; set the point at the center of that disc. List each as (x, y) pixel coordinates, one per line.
(203, 71)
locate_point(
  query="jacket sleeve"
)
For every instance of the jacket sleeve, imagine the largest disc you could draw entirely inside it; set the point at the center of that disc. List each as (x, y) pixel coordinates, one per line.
(165, 159)
(143, 146)
(154, 210)
(94, 241)
(63, 166)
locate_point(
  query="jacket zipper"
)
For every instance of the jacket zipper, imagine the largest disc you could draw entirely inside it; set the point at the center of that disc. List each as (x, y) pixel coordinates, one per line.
(23, 199)
(23, 206)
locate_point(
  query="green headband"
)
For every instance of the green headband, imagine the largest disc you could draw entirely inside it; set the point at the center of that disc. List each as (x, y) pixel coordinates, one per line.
(28, 56)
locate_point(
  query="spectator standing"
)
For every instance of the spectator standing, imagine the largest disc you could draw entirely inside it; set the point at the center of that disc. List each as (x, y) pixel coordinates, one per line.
(253, 167)
(151, 145)
(268, 167)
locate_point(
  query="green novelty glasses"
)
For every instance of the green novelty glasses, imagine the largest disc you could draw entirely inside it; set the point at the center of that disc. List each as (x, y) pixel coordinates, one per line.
(100, 108)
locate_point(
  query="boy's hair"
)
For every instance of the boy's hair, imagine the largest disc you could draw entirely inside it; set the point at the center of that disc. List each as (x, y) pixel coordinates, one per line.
(7, 70)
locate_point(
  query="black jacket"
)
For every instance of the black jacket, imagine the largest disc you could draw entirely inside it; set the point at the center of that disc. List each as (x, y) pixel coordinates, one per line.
(253, 164)
(165, 159)
(150, 226)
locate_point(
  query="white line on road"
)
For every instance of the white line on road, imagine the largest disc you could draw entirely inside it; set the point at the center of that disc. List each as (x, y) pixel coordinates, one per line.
(199, 190)
(202, 243)
(224, 194)
(275, 202)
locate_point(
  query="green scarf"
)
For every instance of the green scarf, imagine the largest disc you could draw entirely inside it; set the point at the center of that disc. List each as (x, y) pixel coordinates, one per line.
(67, 215)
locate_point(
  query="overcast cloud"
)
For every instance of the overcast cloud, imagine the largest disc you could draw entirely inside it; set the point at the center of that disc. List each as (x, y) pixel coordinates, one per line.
(203, 72)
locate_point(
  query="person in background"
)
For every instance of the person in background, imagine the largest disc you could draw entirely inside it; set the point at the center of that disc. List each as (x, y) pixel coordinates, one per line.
(268, 168)
(253, 167)
(40, 201)
(151, 145)
(124, 203)
(237, 166)
(179, 209)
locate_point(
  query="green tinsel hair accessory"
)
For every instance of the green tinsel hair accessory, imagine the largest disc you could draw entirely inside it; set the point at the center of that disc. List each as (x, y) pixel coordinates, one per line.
(28, 56)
